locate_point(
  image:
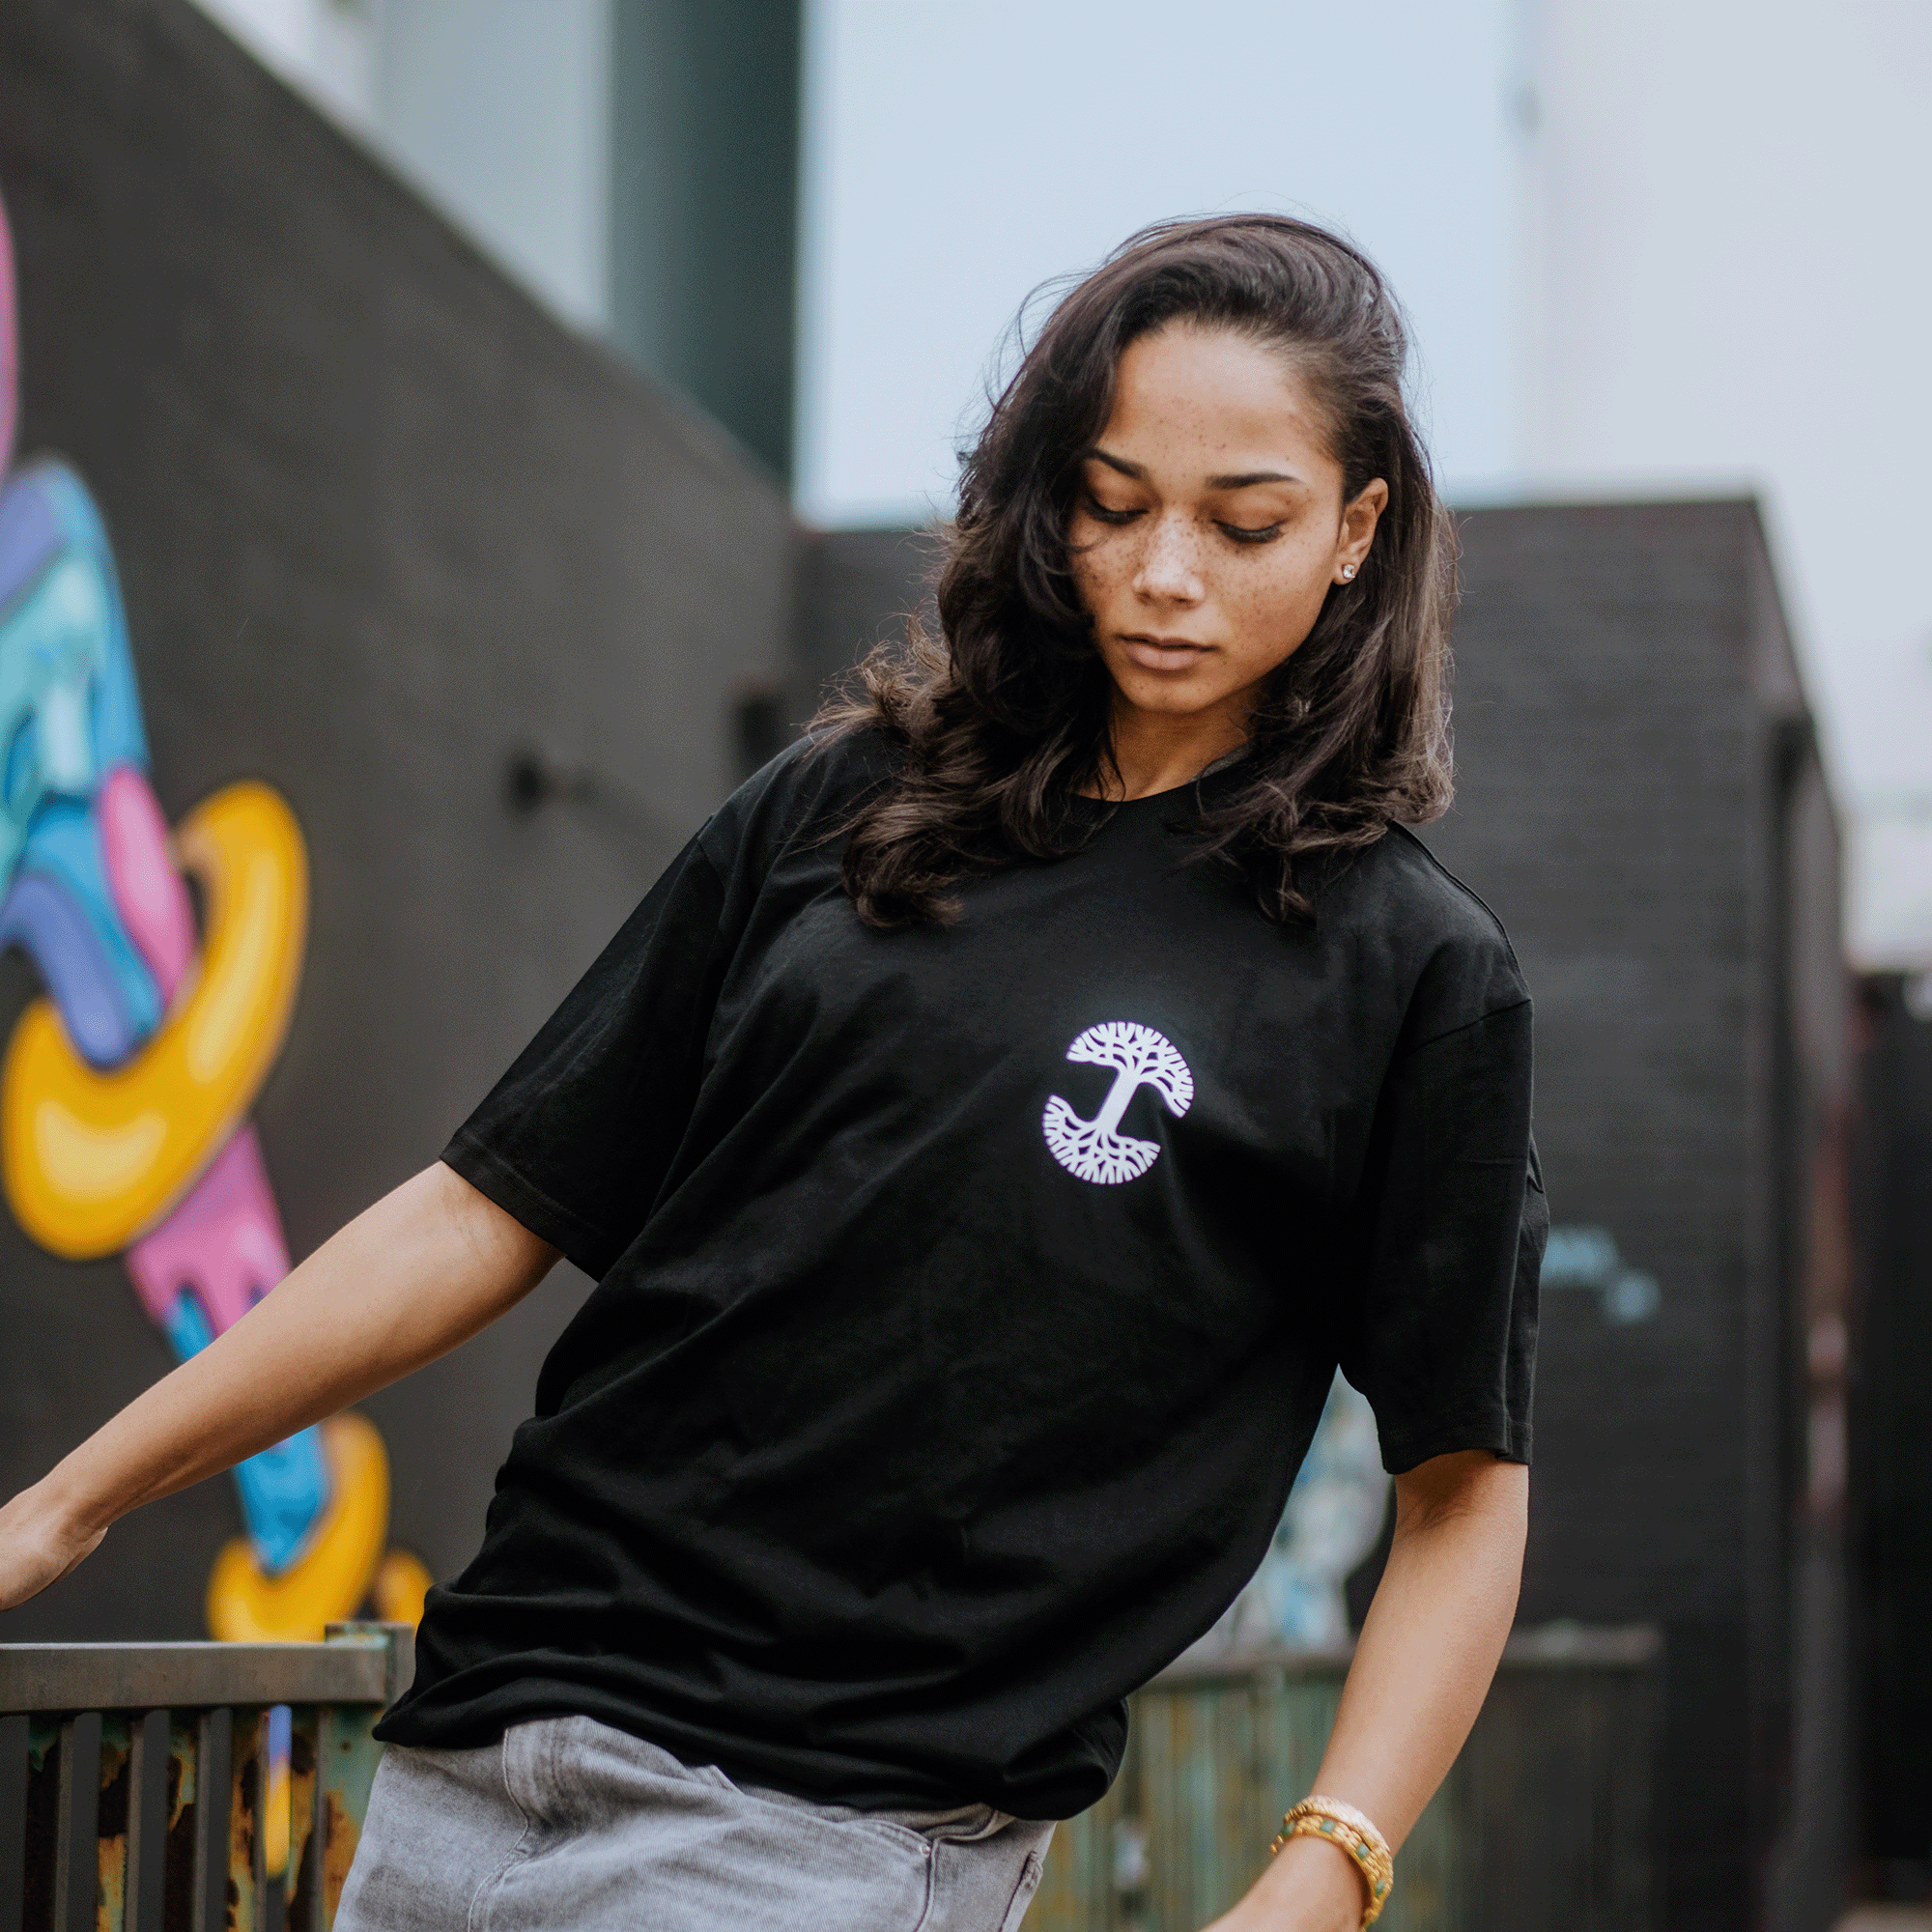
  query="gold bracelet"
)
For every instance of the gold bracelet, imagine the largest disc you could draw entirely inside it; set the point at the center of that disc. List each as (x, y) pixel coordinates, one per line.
(1349, 1831)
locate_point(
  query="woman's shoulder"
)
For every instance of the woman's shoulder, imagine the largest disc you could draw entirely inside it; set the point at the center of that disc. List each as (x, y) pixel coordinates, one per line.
(1453, 950)
(805, 793)
(1408, 881)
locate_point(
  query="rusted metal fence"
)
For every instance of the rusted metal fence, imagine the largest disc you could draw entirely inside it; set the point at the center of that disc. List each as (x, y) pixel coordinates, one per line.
(189, 1787)
(1545, 1821)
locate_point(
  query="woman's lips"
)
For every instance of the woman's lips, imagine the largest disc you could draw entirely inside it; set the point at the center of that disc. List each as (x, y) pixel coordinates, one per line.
(1165, 653)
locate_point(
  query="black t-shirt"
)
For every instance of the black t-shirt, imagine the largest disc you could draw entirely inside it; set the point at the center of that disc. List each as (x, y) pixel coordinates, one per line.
(967, 1298)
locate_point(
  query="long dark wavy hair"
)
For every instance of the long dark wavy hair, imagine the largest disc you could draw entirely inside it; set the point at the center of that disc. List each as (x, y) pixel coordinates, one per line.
(1002, 719)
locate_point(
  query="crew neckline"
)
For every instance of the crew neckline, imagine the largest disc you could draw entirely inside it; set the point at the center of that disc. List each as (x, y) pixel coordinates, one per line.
(1226, 762)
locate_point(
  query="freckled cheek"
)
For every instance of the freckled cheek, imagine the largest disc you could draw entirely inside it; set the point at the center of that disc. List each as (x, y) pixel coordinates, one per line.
(1275, 611)
(1101, 572)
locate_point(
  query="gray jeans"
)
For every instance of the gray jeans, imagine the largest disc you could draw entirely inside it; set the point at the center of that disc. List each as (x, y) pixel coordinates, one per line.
(567, 1823)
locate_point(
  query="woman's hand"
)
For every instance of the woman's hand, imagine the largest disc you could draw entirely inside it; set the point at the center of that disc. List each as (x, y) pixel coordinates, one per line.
(420, 1272)
(39, 1545)
(1308, 1886)
(1423, 1666)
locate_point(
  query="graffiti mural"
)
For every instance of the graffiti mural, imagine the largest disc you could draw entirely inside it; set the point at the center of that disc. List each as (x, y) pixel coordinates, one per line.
(1333, 1521)
(1588, 1258)
(125, 1090)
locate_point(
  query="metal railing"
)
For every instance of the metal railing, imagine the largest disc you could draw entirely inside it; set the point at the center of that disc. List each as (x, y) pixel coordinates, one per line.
(212, 1787)
(189, 1787)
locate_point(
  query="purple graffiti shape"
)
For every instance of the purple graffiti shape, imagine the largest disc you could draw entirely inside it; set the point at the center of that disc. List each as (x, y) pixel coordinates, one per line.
(223, 1240)
(41, 917)
(29, 535)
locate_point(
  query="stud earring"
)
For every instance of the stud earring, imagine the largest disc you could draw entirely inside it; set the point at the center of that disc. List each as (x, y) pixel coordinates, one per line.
(1348, 572)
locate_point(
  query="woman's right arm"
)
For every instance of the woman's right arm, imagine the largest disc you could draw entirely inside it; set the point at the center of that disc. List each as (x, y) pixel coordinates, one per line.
(422, 1270)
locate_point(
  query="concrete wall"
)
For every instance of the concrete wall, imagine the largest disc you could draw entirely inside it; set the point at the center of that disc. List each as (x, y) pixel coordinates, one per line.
(382, 527)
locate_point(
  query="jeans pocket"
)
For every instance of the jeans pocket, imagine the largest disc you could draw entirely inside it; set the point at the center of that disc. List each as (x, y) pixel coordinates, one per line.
(968, 1826)
(893, 1828)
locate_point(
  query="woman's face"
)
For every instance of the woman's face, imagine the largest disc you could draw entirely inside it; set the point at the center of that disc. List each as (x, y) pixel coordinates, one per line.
(1210, 524)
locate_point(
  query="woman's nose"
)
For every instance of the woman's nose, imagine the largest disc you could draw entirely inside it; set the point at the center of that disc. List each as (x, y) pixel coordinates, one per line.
(1168, 572)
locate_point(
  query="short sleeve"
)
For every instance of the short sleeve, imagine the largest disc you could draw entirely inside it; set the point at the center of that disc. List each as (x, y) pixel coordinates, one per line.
(1441, 1335)
(577, 1137)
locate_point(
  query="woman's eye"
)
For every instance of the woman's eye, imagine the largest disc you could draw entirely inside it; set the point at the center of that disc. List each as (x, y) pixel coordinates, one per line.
(1240, 533)
(1101, 514)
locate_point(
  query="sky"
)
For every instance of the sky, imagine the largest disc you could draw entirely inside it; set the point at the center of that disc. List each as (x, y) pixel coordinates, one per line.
(1667, 248)
(1727, 236)
(959, 158)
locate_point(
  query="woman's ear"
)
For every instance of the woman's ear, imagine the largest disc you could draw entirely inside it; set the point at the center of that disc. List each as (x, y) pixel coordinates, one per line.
(1359, 519)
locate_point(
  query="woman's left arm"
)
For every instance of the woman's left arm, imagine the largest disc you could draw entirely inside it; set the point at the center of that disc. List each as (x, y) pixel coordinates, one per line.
(1427, 1651)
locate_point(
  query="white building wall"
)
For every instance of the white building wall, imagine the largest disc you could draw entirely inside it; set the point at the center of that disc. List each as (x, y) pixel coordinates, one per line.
(498, 110)
(325, 47)
(1728, 264)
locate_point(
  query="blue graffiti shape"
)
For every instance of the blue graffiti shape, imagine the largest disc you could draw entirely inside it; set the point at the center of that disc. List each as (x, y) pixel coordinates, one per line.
(69, 707)
(283, 1487)
(1587, 1258)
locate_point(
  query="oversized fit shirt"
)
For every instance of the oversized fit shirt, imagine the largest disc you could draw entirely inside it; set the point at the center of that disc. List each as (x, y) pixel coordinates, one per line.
(967, 1296)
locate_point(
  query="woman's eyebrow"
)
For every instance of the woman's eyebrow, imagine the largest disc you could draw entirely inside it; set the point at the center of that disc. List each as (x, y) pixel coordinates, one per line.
(1138, 471)
(1243, 481)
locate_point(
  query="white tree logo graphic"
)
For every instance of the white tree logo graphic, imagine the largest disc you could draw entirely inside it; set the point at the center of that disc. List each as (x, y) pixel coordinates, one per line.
(1096, 1150)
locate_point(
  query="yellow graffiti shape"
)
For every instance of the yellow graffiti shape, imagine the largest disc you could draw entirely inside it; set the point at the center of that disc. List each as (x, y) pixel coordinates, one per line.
(401, 1583)
(91, 1159)
(330, 1578)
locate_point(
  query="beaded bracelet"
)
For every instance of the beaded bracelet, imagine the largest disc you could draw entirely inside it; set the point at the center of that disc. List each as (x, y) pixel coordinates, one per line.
(1350, 1830)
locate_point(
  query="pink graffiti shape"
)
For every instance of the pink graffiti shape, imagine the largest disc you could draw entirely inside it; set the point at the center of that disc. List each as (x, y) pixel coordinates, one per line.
(148, 892)
(223, 1241)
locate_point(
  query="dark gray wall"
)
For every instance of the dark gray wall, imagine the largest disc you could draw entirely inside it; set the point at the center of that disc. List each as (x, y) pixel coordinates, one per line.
(855, 589)
(704, 105)
(382, 525)
(1893, 1449)
(1641, 801)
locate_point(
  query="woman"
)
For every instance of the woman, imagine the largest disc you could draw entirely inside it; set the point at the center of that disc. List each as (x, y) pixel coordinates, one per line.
(989, 1137)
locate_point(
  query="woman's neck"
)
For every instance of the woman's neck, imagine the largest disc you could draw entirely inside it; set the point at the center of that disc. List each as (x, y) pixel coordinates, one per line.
(1154, 752)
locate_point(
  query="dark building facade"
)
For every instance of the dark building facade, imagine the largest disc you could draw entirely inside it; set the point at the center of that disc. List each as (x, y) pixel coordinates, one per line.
(1891, 1448)
(1641, 802)
(854, 589)
(477, 602)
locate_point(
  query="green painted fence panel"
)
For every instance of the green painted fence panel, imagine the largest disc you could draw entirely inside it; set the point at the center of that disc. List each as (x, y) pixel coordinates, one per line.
(1545, 1820)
